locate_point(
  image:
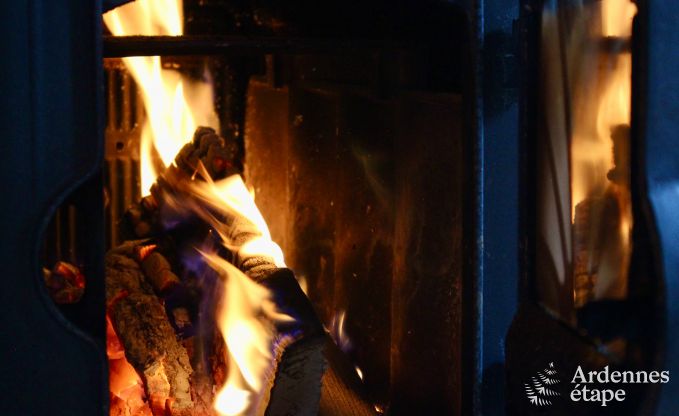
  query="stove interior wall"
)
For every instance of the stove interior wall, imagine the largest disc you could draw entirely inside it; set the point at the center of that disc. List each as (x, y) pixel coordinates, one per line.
(364, 192)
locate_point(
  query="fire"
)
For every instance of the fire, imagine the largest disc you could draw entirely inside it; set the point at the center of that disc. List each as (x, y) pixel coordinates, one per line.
(174, 105)
(341, 338)
(617, 17)
(244, 320)
(124, 382)
(338, 332)
(600, 195)
(232, 194)
(591, 147)
(247, 312)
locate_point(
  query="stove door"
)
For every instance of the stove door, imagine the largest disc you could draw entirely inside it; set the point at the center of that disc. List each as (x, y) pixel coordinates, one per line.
(51, 145)
(596, 222)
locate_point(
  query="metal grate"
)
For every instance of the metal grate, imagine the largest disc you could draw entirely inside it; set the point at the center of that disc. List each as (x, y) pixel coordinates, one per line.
(125, 114)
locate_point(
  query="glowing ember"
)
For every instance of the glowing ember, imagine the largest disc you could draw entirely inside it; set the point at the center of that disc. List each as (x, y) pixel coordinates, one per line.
(125, 385)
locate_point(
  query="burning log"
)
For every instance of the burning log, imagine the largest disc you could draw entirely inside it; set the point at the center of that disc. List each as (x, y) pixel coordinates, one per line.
(150, 343)
(157, 269)
(192, 207)
(295, 382)
(126, 387)
(292, 382)
(342, 391)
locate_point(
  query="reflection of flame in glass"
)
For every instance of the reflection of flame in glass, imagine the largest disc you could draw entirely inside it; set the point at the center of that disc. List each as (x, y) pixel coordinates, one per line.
(338, 333)
(616, 17)
(342, 340)
(600, 200)
(174, 106)
(591, 150)
(583, 191)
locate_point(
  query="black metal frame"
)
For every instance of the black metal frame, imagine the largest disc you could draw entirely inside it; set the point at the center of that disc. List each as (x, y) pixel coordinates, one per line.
(655, 120)
(52, 105)
(52, 117)
(121, 46)
(655, 168)
(492, 240)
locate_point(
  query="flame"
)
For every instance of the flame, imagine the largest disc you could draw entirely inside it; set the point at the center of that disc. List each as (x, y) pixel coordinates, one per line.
(303, 284)
(245, 321)
(591, 150)
(359, 372)
(174, 106)
(247, 312)
(617, 17)
(599, 159)
(342, 340)
(338, 332)
(230, 197)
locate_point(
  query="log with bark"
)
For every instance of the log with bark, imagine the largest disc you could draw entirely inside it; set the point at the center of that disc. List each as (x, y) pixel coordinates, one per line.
(143, 283)
(149, 340)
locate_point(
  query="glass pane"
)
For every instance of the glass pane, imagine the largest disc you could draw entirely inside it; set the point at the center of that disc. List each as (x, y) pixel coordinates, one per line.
(583, 188)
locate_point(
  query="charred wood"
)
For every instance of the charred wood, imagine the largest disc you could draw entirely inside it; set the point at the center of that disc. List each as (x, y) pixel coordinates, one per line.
(150, 343)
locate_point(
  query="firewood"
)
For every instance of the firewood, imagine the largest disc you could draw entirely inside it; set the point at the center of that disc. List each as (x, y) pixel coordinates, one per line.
(157, 269)
(213, 151)
(295, 379)
(293, 383)
(202, 385)
(150, 343)
(341, 393)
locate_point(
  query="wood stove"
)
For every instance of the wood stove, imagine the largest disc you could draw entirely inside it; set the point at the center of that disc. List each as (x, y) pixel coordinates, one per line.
(391, 148)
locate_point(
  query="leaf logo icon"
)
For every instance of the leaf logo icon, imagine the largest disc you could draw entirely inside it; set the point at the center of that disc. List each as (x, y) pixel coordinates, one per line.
(540, 389)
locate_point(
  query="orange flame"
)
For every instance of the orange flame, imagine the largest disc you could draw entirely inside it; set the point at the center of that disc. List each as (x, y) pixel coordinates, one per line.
(247, 313)
(600, 157)
(591, 151)
(616, 17)
(174, 106)
(244, 320)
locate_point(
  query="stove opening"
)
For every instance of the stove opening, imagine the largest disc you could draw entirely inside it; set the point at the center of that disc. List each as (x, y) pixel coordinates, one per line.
(284, 203)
